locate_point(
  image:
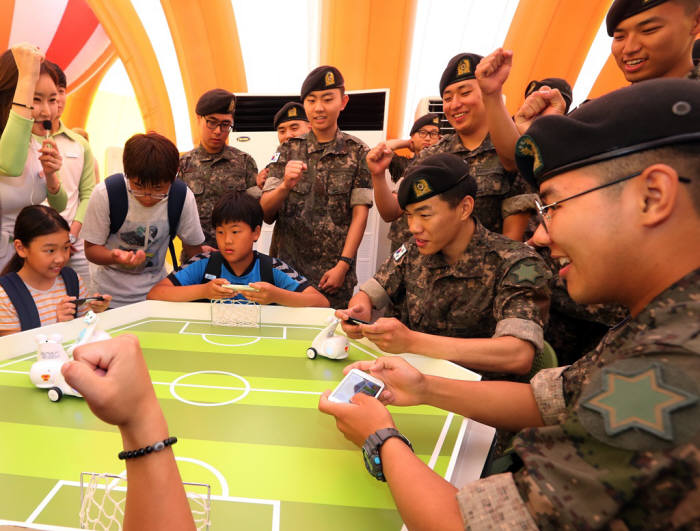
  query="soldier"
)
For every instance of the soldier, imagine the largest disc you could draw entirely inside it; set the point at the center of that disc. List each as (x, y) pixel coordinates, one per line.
(464, 293)
(654, 38)
(213, 168)
(611, 442)
(319, 191)
(499, 204)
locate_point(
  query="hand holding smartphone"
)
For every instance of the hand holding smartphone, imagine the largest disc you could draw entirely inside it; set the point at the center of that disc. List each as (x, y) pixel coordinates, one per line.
(356, 381)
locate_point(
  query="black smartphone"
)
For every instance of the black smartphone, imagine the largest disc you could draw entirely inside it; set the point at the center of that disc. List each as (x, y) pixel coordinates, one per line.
(80, 302)
(356, 321)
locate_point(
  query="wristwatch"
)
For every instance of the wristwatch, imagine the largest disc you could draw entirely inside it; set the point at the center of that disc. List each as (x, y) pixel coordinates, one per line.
(370, 450)
(349, 261)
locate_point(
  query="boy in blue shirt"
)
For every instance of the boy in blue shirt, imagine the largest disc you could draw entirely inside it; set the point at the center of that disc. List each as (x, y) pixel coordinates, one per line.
(238, 219)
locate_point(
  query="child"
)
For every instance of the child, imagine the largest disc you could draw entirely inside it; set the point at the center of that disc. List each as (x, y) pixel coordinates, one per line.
(131, 251)
(237, 219)
(36, 287)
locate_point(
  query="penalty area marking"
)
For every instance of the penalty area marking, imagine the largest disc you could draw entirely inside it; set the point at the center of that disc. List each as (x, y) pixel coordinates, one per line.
(174, 383)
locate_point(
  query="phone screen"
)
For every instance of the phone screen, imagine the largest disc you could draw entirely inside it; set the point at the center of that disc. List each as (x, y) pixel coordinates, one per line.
(352, 384)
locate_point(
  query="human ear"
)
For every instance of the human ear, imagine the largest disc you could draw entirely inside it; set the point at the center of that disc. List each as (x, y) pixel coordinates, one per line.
(466, 207)
(658, 194)
(20, 248)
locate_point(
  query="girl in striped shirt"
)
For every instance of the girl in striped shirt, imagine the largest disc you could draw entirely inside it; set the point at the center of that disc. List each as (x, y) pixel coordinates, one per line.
(37, 271)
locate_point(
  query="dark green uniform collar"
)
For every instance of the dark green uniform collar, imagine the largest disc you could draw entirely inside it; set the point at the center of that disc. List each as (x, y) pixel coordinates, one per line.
(337, 144)
(203, 155)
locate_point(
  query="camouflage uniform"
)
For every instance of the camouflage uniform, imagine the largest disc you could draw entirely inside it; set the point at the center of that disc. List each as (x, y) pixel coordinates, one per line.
(313, 222)
(695, 72)
(398, 231)
(499, 287)
(620, 446)
(210, 176)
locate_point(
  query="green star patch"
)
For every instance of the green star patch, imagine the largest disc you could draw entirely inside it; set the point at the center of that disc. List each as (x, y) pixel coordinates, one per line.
(638, 400)
(525, 272)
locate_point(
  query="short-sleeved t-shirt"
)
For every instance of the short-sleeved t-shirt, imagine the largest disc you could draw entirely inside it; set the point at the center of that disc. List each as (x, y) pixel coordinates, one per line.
(145, 228)
(284, 276)
(45, 300)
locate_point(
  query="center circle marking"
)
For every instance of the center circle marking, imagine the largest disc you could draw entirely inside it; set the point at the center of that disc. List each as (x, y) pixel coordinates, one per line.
(173, 390)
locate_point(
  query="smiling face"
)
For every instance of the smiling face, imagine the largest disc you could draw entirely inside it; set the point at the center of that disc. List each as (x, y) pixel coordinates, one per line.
(235, 240)
(322, 108)
(292, 129)
(656, 42)
(46, 255)
(45, 103)
(463, 106)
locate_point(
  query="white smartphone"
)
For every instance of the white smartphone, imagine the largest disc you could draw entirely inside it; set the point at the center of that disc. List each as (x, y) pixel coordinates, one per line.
(239, 287)
(356, 381)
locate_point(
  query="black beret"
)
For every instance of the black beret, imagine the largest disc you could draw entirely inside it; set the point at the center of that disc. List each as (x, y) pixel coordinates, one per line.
(322, 78)
(645, 115)
(462, 66)
(555, 83)
(289, 112)
(622, 9)
(426, 119)
(432, 176)
(696, 51)
(216, 101)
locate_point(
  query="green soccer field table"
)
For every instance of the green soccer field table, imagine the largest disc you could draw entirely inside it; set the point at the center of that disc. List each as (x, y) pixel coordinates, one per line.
(243, 404)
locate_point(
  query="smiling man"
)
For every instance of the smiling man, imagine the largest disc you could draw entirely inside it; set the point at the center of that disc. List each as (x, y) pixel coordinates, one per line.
(319, 192)
(612, 441)
(654, 38)
(465, 293)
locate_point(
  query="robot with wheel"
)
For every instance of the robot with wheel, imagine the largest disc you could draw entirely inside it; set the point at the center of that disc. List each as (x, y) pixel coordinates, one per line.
(327, 344)
(45, 373)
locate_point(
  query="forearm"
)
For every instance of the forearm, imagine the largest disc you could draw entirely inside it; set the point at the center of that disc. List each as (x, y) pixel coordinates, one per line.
(505, 405)
(98, 254)
(75, 228)
(14, 144)
(85, 187)
(386, 201)
(398, 143)
(191, 250)
(272, 201)
(56, 194)
(172, 293)
(504, 134)
(356, 230)
(495, 354)
(424, 499)
(155, 498)
(310, 297)
(514, 226)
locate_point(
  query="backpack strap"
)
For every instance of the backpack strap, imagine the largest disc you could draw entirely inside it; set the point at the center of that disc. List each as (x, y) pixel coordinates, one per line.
(70, 279)
(22, 300)
(266, 269)
(176, 202)
(118, 201)
(213, 269)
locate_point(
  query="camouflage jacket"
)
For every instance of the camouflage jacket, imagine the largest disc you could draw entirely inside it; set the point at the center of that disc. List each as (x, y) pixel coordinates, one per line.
(620, 449)
(210, 176)
(313, 222)
(499, 287)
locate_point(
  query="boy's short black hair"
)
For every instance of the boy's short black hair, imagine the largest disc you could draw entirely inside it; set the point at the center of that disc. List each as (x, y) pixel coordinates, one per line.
(151, 159)
(237, 206)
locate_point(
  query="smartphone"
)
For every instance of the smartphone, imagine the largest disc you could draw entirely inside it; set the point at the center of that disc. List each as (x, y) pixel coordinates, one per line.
(239, 287)
(356, 381)
(80, 302)
(356, 321)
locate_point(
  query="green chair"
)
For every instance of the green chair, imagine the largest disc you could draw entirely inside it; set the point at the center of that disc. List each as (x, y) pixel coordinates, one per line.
(546, 359)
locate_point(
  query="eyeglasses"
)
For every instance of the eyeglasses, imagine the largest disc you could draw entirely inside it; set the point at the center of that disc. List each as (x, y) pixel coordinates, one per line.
(213, 124)
(152, 195)
(432, 134)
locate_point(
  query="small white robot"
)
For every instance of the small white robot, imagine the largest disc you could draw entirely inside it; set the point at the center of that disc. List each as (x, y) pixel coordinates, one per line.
(327, 344)
(46, 371)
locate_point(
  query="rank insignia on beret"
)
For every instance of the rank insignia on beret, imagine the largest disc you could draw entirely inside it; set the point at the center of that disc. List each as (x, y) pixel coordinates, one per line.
(398, 253)
(464, 67)
(531, 88)
(436, 120)
(639, 400)
(275, 157)
(421, 187)
(292, 112)
(527, 146)
(329, 79)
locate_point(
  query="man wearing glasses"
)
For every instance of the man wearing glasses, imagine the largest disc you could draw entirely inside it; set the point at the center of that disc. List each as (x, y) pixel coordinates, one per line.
(612, 441)
(214, 168)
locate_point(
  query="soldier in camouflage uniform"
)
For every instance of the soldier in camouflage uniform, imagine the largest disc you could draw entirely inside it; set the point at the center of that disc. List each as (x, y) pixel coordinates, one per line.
(213, 168)
(456, 280)
(499, 203)
(653, 38)
(319, 192)
(613, 441)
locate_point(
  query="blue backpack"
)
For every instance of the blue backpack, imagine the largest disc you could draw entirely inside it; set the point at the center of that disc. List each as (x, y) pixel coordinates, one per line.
(119, 205)
(23, 302)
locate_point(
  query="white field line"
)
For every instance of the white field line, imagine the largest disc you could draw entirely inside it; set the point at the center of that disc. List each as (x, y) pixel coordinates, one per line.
(45, 501)
(440, 441)
(18, 360)
(455, 450)
(226, 388)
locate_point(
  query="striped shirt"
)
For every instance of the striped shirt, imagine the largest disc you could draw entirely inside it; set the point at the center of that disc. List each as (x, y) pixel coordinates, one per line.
(45, 300)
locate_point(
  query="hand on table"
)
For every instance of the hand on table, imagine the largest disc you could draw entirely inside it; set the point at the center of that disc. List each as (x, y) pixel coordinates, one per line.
(65, 309)
(389, 334)
(358, 420)
(353, 331)
(214, 289)
(404, 385)
(100, 306)
(266, 293)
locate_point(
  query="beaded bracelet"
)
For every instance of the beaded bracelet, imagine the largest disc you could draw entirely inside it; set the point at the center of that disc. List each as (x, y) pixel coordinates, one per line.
(156, 447)
(22, 105)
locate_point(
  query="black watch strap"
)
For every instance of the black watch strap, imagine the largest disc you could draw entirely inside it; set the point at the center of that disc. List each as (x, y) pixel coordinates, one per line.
(349, 261)
(370, 450)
